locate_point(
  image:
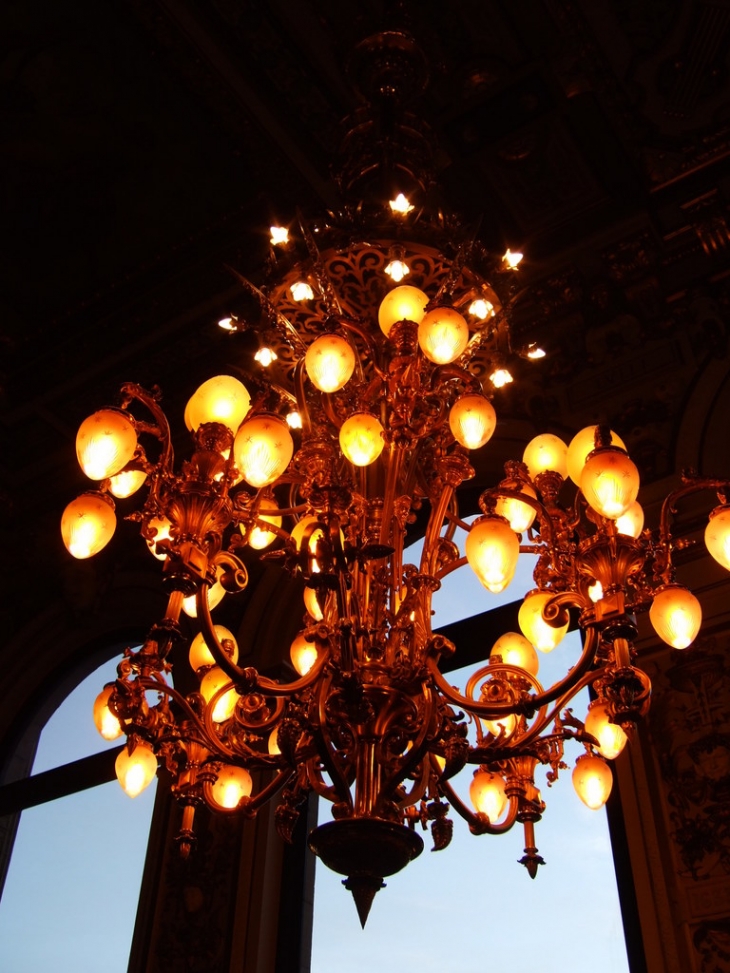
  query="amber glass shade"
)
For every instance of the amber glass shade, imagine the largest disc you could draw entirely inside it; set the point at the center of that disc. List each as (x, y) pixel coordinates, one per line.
(520, 515)
(105, 443)
(104, 720)
(717, 536)
(216, 593)
(200, 655)
(676, 615)
(534, 627)
(258, 536)
(583, 443)
(631, 523)
(611, 738)
(487, 794)
(303, 654)
(361, 438)
(592, 780)
(404, 303)
(515, 650)
(317, 534)
(492, 550)
(262, 450)
(312, 605)
(221, 399)
(609, 482)
(231, 786)
(442, 335)
(137, 770)
(505, 726)
(88, 524)
(329, 362)
(162, 528)
(126, 483)
(273, 742)
(225, 704)
(546, 452)
(472, 421)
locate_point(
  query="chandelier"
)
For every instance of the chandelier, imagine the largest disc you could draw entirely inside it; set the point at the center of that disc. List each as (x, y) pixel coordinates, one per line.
(383, 330)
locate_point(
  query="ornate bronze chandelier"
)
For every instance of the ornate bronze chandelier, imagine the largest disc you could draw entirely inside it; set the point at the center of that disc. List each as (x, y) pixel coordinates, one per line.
(369, 397)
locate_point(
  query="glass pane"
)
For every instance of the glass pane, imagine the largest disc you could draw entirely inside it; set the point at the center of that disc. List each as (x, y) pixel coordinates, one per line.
(70, 898)
(470, 906)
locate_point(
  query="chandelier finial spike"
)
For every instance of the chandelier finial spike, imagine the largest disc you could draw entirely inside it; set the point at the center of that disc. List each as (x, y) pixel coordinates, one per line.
(363, 890)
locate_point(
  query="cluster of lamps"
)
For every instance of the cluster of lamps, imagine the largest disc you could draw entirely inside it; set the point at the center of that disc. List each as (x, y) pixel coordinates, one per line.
(369, 397)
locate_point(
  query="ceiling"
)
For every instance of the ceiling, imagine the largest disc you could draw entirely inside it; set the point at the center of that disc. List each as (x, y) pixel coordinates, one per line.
(148, 144)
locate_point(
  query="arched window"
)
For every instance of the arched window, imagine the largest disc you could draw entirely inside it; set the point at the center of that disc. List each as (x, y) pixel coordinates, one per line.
(75, 872)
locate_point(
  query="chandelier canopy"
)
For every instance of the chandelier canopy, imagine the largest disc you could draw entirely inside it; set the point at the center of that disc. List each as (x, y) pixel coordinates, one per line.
(383, 332)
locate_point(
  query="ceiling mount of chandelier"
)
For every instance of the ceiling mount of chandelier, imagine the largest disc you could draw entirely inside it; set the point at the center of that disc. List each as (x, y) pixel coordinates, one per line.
(382, 333)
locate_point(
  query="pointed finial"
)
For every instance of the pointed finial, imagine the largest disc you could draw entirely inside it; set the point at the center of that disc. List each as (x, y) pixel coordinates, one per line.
(363, 890)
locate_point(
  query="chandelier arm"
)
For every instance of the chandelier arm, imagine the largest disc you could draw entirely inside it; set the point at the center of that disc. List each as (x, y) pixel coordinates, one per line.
(281, 322)
(497, 667)
(356, 328)
(301, 398)
(317, 783)
(250, 677)
(489, 498)
(249, 805)
(479, 823)
(325, 749)
(545, 718)
(530, 704)
(419, 786)
(691, 483)
(131, 390)
(329, 293)
(211, 741)
(417, 751)
(433, 531)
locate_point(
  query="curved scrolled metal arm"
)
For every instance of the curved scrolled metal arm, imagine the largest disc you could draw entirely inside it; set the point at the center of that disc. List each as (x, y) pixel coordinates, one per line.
(531, 703)
(250, 677)
(479, 823)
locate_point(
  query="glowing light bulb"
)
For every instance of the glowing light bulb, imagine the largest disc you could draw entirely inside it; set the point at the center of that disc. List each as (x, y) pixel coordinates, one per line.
(200, 655)
(397, 270)
(546, 453)
(88, 524)
(301, 291)
(492, 550)
(105, 443)
(262, 449)
(520, 515)
(303, 654)
(515, 650)
(330, 362)
(676, 615)
(220, 399)
(231, 786)
(279, 235)
(583, 443)
(105, 721)
(228, 324)
(534, 352)
(265, 356)
(487, 794)
(442, 335)
(294, 420)
(611, 737)
(500, 377)
(592, 780)
(137, 770)
(482, 309)
(124, 484)
(361, 439)
(512, 259)
(534, 627)
(400, 205)
(472, 420)
(609, 482)
(717, 536)
(403, 303)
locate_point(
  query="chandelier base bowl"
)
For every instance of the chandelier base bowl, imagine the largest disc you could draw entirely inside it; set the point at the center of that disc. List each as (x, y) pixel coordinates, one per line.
(365, 850)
